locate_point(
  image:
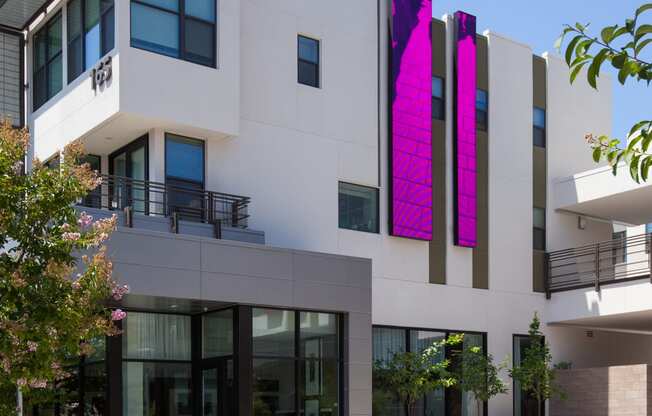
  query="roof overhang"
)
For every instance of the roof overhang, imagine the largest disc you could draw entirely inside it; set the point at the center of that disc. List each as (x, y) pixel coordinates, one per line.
(599, 194)
(17, 14)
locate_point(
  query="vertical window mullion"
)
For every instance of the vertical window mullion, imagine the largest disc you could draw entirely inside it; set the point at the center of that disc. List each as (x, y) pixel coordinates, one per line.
(182, 29)
(297, 362)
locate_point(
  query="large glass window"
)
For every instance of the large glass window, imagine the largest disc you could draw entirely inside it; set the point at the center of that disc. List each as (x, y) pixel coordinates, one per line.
(524, 404)
(482, 110)
(217, 331)
(157, 369)
(184, 176)
(184, 29)
(539, 229)
(296, 360)
(90, 34)
(389, 341)
(308, 61)
(358, 207)
(438, 103)
(47, 61)
(539, 127)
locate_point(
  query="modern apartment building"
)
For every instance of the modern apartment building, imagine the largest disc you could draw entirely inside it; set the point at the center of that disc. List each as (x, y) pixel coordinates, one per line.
(306, 187)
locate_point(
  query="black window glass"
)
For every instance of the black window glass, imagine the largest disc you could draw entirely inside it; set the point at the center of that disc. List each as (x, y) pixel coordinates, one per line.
(619, 247)
(358, 207)
(157, 388)
(318, 387)
(107, 25)
(47, 58)
(308, 61)
(217, 333)
(438, 103)
(318, 335)
(539, 229)
(482, 109)
(539, 127)
(274, 387)
(157, 25)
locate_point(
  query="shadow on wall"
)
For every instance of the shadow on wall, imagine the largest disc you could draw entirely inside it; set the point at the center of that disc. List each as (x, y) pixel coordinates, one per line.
(605, 391)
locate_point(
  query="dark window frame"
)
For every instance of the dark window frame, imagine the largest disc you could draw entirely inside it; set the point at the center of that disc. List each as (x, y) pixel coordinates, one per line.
(182, 53)
(316, 65)
(81, 37)
(44, 30)
(479, 111)
(539, 129)
(441, 100)
(128, 149)
(376, 229)
(514, 405)
(447, 333)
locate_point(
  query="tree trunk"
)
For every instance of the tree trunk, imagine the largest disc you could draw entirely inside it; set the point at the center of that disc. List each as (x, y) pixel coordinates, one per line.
(480, 403)
(19, 402)
(538, 406)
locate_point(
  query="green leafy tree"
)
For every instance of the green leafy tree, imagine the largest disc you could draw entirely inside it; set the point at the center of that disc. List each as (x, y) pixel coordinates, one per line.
(411, 375)
(535, 373)
(623, 47)
(477, 374)
(51, 305)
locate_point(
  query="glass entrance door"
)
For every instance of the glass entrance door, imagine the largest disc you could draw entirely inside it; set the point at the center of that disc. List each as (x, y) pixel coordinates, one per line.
(128, 165)
(217, 388)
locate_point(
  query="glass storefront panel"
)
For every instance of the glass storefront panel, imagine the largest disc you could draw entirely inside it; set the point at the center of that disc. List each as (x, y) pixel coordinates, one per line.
(157, 388)
(273, 387)
(273, 332)
(319, 387)
(217, 334)
(318, 335)
(156, 337)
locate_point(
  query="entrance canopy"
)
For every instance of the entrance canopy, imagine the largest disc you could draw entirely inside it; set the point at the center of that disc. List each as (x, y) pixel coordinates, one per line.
(16, 14)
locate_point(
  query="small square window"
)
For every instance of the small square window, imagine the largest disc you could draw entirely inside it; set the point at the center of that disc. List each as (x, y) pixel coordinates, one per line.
(539, 127)
(308, 61)
(539, 228)
(358, 207)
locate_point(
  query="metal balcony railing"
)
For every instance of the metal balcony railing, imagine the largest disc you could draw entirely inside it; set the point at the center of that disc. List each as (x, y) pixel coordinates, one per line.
(597, 264)
(181, 201)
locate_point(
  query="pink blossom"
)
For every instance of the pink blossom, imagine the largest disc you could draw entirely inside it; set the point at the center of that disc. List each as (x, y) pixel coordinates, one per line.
(118, 315)
(71, 236)
(38, 384)
(55, 366)
(21, 382)
(85, 220)
(120, 291)
(32, 346)
(76, 285)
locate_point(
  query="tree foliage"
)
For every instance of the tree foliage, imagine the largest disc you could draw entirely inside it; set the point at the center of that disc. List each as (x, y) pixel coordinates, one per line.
(411, 375)
(535, 372)
(51, 305)
(623, 47)
(477, 374)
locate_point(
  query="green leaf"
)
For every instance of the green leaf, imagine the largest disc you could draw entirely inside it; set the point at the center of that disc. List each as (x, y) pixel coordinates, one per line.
(619, 32)
(641, 45)
(645, 143)
(630, 24)
(645, 168)
(619, 60)
(641, 31)
(597, 153)
(633, 168)
(633, 142)
(594, 69)
(607, 33)
(583, 47)
(571, 47)
(636, 127)
(643, 8)
(576, 70)
(580, 27)
(561, 37)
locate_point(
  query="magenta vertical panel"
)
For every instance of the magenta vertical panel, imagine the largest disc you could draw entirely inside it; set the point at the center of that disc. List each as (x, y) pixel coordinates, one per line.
(410, 187)
(465, 134)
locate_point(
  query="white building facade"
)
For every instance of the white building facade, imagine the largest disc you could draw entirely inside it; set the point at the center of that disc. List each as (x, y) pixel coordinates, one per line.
(246, 148)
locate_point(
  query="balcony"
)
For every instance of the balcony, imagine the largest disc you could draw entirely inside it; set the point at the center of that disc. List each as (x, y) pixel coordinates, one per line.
(172, 208)
(599, 264)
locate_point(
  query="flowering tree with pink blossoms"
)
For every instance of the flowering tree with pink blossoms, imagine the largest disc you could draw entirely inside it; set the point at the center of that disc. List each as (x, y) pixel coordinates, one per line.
(53, 299)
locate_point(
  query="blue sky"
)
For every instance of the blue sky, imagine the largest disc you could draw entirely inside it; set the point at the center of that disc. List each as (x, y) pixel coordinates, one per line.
(538, 24)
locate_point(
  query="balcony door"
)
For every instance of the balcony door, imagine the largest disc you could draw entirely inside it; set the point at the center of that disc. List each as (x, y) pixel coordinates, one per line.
(129, 169)
(184, 177)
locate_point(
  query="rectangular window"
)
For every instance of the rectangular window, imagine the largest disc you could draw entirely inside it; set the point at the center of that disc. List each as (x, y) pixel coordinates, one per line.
(296, 361)
(157, 367)
(184, 176)
(184, 29)
(524, 404)
(619, 247)
(482, 110)
(90, 34)
(308, 61)
(358, 207)
(539, 127)
(539, 229)
(438, 102)
(47, 61)
(217, 334)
